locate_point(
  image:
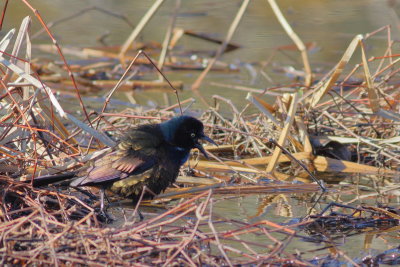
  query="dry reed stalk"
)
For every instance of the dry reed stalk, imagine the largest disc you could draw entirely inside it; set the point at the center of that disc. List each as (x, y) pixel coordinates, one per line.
(299, 43)
(139, 27)
(372, 95)
(167, 38)
(265, 110)
(325, 164)
(285, 131)
(70, 73)
(35, 82)
(303, 135)
(235, 23)
(3, 14)
(129, 85)
(324, 88)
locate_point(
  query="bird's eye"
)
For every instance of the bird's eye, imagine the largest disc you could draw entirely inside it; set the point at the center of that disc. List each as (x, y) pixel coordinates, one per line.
(193, 135)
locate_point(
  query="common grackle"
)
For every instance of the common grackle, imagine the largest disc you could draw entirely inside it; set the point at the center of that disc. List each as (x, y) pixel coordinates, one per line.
(149, 155)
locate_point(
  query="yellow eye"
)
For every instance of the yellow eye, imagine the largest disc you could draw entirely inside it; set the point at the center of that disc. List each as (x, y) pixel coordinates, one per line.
(193, 135)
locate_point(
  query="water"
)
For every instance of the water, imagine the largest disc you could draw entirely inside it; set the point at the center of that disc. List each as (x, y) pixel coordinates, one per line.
(289, 209)
(330, 24)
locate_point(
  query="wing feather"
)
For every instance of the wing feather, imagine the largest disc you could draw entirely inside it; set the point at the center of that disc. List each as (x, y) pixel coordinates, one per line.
(134, 155)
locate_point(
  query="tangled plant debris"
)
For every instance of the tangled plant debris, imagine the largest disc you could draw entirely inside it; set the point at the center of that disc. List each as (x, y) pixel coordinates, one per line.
(330, 129)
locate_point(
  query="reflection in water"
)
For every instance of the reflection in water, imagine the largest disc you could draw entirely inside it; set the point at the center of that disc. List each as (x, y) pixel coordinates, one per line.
(287, 209)
(280, 201)
(281, 208)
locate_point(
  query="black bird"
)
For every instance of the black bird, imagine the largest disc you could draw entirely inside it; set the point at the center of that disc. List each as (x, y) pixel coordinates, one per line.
(149, 155)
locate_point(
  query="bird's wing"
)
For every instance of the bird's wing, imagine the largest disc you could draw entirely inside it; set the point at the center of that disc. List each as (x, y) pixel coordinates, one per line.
(134, 155)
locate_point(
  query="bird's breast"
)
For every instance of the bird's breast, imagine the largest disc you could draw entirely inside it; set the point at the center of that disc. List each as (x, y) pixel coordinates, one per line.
(178, 155)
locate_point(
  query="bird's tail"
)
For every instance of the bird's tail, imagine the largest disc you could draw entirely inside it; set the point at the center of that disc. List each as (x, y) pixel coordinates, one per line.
(59, 179)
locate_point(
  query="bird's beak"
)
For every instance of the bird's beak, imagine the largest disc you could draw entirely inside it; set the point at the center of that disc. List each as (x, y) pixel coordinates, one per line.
(208, 139)
(200, 147)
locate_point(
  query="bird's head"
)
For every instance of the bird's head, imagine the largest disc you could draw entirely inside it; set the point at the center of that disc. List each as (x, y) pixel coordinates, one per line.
(185, 132)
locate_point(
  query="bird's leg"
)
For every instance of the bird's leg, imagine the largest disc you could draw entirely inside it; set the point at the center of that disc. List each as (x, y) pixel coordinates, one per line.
(102, 211)
(102, 194)
(189, 171)
(141, 217)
